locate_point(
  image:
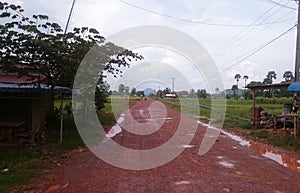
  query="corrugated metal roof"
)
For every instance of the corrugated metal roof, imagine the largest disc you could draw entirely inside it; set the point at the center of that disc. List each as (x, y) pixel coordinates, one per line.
(16, 88)
(294, 86)
(269, 86)
(15, 78)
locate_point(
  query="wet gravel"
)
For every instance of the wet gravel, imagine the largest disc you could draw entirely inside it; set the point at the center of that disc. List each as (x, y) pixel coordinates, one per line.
(227, 167)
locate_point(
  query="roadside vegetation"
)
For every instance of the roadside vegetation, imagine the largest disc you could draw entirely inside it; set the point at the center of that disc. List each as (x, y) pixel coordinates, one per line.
(237, 118)
(18, 164)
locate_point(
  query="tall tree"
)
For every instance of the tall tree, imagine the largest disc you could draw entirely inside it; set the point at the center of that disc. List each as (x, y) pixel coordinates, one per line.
(288, 76)
(234, 88)
(121, 89)
(245, 77)
(257, 83)
(269, 80)
(217, 90)
(193, 93)
(237, 77)
(127, 89)
(133, 92)
(41, 46)
(167, 91)
(201, 93)
(270, 76)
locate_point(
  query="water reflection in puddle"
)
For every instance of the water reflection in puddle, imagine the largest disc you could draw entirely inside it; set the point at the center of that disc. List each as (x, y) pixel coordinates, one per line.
(289, 162)
(226, 164)
(182, 182)
(187, 146)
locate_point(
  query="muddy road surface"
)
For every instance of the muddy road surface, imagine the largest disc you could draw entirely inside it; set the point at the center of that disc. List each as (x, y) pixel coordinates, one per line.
(231, 165)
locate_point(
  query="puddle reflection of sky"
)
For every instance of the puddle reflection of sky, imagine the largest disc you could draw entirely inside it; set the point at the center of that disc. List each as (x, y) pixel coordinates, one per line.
(289, 162)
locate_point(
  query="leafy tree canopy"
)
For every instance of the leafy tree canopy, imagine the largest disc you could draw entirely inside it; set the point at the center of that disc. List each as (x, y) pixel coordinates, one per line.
(36, 46)
(288, 76)
(41, 46)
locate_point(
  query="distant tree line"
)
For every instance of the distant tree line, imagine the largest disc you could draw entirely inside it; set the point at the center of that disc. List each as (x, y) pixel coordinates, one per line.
(124, 90)
(271, 75)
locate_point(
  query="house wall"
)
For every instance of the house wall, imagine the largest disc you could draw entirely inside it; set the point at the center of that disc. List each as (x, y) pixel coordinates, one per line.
(29, 109)
(16, 109)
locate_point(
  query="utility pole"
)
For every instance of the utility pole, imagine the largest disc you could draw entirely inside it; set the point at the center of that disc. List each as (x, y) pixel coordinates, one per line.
(173, 84)
(297, 62)
(62, 95)
(68, 21)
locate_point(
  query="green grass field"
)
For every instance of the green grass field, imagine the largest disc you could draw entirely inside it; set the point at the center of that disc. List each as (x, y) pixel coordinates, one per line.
(237, 116)
(234, 108)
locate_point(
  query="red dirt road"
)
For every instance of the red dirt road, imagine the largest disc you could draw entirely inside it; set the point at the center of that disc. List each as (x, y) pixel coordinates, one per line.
(227, 167)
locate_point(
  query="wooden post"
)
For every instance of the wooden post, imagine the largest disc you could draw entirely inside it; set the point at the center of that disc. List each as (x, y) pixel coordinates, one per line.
(61, 117)
(295, 124)
(253, 107)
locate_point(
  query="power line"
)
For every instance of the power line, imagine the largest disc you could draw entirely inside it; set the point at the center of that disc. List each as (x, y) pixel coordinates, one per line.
(192, 21)
(239, 41)
(249, 38)
(243, 57)
(278, 4)
(253, 25)
(236, 36)
(248, 55)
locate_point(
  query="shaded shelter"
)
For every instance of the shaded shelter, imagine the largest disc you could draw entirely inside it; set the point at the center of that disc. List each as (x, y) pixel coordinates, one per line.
(24, 104)
(254, 88)
(289, 119)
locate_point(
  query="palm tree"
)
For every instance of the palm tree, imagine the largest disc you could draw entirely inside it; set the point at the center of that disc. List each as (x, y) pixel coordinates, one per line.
(217, 90)
(288, 76)
(237, 77)
(234, 88)
(270, 76)
(269, 80)
(246, 77)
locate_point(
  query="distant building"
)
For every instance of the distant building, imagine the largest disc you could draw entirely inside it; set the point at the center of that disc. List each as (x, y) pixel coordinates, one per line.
(170, 95)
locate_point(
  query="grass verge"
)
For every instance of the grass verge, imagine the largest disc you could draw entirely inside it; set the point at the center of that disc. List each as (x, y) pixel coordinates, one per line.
(237, 118)
(19, 164)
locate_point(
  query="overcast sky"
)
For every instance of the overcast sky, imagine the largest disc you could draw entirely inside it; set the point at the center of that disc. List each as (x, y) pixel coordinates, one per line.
(228, 29)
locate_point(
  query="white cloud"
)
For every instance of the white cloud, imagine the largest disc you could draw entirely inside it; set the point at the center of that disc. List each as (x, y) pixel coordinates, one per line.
(112, 16)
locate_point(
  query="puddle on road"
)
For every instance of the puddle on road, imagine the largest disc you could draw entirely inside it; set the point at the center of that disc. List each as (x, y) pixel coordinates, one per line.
(115, 130)
(182, 182)
(166, 118)
(226, 164)
(187, 146)
(289, 162)
(155, 119)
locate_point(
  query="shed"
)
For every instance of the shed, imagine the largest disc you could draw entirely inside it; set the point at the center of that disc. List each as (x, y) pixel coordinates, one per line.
(24, 102)
(254, 89)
